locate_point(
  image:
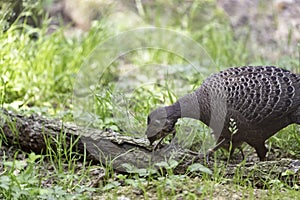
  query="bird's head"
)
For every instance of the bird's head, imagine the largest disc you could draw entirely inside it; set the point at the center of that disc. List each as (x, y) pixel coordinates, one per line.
(159, 124)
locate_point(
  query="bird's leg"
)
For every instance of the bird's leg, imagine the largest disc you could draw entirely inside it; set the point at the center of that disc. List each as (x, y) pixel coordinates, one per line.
(261, 152)
(241, 151)
(260, 148)
(232, 152)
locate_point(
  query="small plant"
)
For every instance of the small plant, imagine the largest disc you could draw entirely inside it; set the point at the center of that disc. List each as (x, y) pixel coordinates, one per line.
(232, 127)
(60, 150)
(3, 88)
(20, 178)
(233, 130)
(197, 167)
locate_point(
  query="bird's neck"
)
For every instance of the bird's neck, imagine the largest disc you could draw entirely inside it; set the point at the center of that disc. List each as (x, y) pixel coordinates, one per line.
(189, 106)
(173, 112)
(186, 106)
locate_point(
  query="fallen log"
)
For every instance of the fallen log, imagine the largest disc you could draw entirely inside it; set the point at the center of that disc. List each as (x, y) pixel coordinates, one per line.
(30, 133)
(108, 147)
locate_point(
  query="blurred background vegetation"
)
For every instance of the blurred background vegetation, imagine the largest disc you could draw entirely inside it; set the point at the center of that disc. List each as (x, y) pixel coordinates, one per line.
(41, 37)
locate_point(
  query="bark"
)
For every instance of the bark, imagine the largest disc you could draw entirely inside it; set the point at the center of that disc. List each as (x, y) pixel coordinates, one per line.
(123, 153)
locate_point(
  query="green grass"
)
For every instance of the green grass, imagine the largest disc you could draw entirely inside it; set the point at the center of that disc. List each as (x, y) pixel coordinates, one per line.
(38, 76)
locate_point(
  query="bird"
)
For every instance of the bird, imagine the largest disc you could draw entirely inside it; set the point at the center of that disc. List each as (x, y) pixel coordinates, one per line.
(261, 100)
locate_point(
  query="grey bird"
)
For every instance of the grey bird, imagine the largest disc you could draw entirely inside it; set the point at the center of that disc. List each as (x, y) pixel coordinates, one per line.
(261, 100)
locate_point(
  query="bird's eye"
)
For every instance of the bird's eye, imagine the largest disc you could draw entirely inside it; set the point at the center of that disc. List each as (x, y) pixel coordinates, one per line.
(148, 120)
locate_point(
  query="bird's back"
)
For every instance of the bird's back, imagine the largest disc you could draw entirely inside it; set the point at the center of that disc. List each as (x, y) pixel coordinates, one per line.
(262, 97)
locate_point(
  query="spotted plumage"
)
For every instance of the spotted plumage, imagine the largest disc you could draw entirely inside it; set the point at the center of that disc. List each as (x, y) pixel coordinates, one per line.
(261, 100)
